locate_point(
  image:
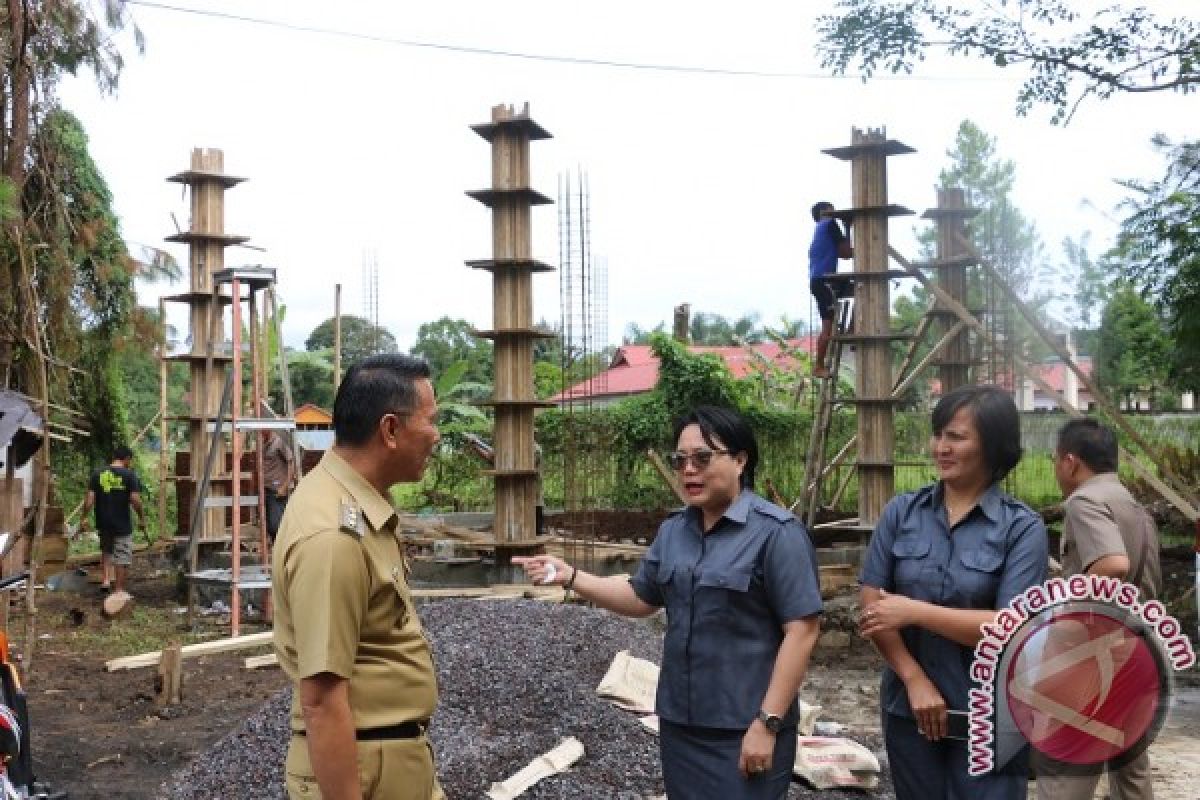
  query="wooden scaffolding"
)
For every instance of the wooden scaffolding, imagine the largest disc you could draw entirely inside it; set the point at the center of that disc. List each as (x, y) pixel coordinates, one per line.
(962, 338)
(224, 492)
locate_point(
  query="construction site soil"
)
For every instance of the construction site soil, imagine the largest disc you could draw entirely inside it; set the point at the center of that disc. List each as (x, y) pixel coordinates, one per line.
(516, 676)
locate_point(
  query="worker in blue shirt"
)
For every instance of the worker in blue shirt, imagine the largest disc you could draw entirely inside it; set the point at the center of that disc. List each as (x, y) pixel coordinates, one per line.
(829, 244)
(738, 578)
(940, 563)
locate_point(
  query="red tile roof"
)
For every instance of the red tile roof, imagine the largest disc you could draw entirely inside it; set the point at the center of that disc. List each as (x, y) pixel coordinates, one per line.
(1055, 373)
(634, 368)
(1052, 372)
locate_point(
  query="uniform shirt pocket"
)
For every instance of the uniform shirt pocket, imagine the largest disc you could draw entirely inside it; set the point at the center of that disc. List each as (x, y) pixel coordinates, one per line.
(910, 554)
(978, 577)
(720, 591)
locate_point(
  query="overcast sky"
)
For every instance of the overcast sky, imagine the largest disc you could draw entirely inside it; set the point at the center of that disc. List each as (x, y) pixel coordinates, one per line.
(700, 183)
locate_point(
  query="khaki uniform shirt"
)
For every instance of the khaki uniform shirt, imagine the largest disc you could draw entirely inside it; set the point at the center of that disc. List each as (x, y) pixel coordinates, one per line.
(342, 601)
(1101, 518)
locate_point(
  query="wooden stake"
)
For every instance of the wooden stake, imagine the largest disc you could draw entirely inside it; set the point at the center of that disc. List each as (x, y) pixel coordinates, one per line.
(170, 676)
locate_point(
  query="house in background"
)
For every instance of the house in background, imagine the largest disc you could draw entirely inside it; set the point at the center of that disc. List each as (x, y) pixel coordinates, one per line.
(1032, 397)
(314, 428)
(634, 368)
(313, 418)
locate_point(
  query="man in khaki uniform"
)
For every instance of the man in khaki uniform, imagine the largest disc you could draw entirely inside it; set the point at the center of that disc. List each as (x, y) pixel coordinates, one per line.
(346, 631)
(1105, 532)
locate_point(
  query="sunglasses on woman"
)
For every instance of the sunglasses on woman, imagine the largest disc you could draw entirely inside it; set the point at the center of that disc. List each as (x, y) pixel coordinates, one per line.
(699, 458)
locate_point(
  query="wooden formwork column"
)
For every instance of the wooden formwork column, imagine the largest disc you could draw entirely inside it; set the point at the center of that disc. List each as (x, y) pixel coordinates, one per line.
(512, 266)
(208, 358)
(951, 263)
(872, 335)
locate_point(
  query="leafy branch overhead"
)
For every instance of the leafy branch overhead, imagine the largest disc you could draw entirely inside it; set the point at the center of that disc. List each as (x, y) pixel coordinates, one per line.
(1159, 248)
(1070, 54)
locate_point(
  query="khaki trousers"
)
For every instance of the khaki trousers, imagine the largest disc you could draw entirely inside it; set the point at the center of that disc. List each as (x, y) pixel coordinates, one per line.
(389, 769)
(1131, 782)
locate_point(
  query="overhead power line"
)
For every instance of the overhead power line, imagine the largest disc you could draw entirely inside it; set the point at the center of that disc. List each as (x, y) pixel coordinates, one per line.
(487, 51)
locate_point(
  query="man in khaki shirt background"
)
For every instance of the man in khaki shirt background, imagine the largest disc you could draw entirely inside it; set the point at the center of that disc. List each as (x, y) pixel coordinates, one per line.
(1105, 532)
(346, 630)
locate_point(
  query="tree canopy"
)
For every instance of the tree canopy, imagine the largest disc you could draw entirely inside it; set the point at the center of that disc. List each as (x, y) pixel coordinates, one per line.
(1070, 53)
(1159, 245)
(64, 269)
(447, 341)
(360, 338)
(706, 328)
(1132, 349)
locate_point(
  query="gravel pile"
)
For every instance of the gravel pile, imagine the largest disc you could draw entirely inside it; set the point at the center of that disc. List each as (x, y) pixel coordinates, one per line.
(517, 676)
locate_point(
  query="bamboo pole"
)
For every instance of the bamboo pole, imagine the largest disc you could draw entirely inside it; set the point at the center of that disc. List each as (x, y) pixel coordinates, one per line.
(163, 446)
(41, 475)
(235, 487)
(284, 375)
(337, 337)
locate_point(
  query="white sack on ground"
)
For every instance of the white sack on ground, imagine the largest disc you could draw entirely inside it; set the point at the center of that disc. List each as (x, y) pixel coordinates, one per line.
(630, 683)
(827, 762)
(566, 753)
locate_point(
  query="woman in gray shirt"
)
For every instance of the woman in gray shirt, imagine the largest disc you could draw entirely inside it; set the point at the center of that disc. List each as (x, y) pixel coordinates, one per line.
(738, 578)
(941, 561)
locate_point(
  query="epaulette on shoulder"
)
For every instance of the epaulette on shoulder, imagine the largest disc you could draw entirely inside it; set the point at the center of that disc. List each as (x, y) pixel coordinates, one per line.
(350, 518)
(776, 512)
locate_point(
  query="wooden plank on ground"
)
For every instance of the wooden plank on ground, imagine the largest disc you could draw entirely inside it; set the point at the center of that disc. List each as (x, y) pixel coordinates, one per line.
(496, 592)
(192, 650)
(258, 662)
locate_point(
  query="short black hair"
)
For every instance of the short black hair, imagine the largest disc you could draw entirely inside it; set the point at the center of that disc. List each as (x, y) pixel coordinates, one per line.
(730, 428)
(817, 208)
(996, 419)
(121, 453)
(1089, 441)
(377, 385)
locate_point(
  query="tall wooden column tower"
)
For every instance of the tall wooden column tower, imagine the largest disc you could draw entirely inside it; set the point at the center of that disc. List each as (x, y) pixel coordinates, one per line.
(210, 353)
(950, 264)
(868, 154)
(512, 265)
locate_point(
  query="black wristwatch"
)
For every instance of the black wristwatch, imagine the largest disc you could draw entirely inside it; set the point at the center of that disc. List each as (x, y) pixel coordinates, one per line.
(772, 722)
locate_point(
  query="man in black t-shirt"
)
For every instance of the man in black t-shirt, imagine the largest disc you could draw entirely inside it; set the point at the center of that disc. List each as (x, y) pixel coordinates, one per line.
(113, 491)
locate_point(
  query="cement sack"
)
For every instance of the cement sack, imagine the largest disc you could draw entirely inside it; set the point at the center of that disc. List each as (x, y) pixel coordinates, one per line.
(568, 751)
(630, 683)
(827, 762)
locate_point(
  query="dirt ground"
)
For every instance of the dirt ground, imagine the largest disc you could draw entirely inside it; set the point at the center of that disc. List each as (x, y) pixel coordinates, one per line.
(100, 735)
